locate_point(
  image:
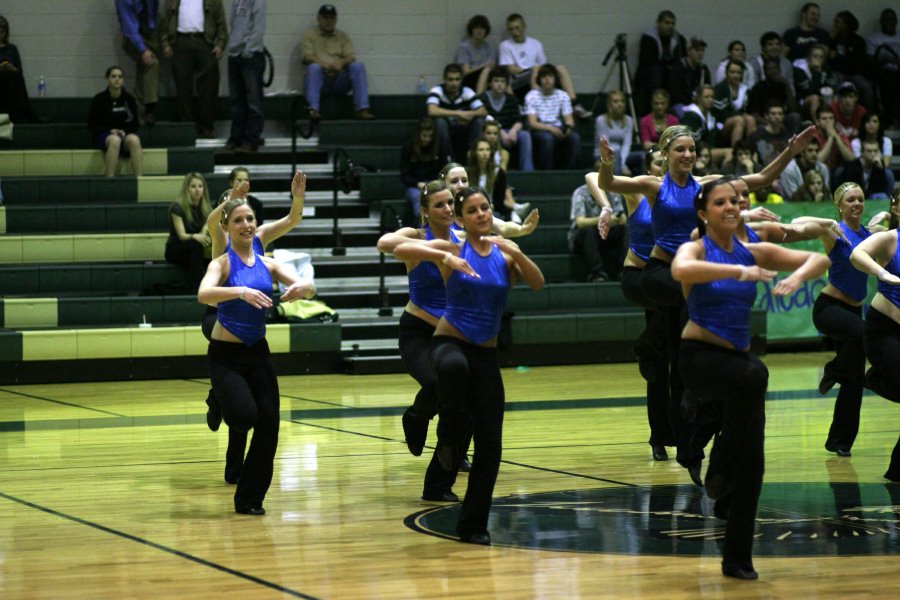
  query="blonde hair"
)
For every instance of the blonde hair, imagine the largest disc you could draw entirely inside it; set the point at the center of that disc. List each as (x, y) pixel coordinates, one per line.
(231, 204)
(184, 198)
(842, 190)
(669, 135)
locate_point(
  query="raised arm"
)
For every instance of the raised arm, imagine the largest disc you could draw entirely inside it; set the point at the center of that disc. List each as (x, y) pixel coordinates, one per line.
(606, 210)
(508, 229)
(646, 185)
(270, 232)
(771, 171)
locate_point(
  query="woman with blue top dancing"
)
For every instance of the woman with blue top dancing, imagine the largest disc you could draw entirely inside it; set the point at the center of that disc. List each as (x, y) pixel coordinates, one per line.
(243, 378)
(718, 275)
(477, 277)
(879, 255)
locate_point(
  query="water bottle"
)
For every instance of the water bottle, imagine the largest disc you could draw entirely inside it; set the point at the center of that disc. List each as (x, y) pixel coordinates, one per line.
(42, 87)
(421, 88)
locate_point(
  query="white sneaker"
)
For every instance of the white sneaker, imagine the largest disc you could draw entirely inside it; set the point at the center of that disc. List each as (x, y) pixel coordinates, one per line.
(515, 218)
(581, 112)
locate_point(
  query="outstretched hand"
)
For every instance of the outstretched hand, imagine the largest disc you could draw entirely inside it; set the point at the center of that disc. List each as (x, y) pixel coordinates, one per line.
(240, 190)
(800, 141)
(531, 222)
(298, 184)
(256, 298)
(787, 286)
(761, 213)
(603, 223)
(607, 154)
(299, 290)
(878, 218)
(506, 245)
(460, 264)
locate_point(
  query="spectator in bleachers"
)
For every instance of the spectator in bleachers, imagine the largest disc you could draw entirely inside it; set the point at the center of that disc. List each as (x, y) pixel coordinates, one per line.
(420, 161)
(246, 63)
(772, 49)
(603, 256)
(617, 127)
(869, 172)
(814, 80)
(772, 138)
(730, 105)
(503, 108)
(798, 40)
(813, 188)
(140, 40)
(872, 130)
(552, 125)
(241, 175)
(661, 47)
(485, 174)
(194, 36)
(791, 179)
(736, 51)
(331, 65)
(884, 48)
(523, 56)
(491, 133)
(457, 112)
(848, 112)
(774, 88)
(14, 98)
(188, 242)
(834, 146)
(113, 123)
(743, 159)
(653, 124)
(688, 74)
(703, 165)
(847, 56)
(476, 54)
(699, 118)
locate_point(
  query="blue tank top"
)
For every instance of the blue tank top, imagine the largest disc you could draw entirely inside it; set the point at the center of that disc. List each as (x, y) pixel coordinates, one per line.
(246, 322)
(673, 213)
(892, 292)
(257, 246)
(475, 306)
(752, 236)
(426, 285)
(843, 275)
(723, 306)
(640, 231)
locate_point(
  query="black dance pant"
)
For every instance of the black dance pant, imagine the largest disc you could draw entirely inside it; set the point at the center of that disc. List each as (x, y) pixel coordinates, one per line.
(662, 290)
(882, 343)
(415, 352)
(470, 390)
(738, 380)
(247, 391)
(651, 345)
(844, 324)
(237, 440)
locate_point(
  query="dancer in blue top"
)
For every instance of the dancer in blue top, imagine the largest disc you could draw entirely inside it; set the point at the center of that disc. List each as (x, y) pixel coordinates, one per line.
(477, 277)
(718, 275)
(243, 378)
(837, 313)
(879, 255)
(671, 203)
(650, 347)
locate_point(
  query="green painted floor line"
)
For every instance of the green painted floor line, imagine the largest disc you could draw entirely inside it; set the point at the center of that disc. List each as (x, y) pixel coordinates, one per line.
(352, 412)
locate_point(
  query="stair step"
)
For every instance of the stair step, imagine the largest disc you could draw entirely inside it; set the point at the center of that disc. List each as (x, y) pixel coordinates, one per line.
(277, 142)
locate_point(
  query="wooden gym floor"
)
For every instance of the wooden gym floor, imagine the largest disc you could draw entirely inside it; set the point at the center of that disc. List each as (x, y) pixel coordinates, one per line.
(115, 490)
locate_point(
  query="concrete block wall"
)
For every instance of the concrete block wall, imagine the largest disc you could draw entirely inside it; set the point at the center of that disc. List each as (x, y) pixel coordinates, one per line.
(72, 42)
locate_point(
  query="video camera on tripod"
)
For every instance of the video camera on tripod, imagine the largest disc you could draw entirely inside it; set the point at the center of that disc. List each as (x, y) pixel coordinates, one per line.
(620, 49)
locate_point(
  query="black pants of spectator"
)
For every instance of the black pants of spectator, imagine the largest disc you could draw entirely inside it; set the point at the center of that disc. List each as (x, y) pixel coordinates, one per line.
(247, 391)
(603, 257)
(663, 291)
(194, 61)
(456, 137)
(415, 352)
(738, 380)
(237, 440)
(245, 84)
(470, 388)
(882, 343)
(651, 347)
(844, 324)
(190, 255)
(14, 99)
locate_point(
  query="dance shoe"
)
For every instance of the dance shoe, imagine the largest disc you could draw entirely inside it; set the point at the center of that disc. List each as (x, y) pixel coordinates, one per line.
(256, 511)
(839, 450)
(694, 472)
(746, 573)
(213, 414)
(441, 497)
(659, 453)
(415, 429)
(465, 465)
(826, 384)
(482, 539)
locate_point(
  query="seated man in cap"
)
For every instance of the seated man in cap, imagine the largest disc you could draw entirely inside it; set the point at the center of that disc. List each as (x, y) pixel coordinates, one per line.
(331, 65)
(848, 112)
(688, 74)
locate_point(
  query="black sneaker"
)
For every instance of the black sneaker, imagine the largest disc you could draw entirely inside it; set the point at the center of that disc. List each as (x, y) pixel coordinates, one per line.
(213, 414)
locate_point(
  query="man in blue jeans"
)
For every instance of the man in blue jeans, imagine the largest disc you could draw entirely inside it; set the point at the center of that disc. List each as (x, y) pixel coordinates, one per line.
(246, 63)
(331, 65)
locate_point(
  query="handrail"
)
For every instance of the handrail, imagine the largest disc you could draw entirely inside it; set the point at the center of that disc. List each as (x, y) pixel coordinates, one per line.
(390, 221)
(311, 125)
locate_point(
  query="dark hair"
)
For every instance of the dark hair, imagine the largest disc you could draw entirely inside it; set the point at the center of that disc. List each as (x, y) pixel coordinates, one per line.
(849, 20)
(233, 175)
(702, 198)
(739, 63)
(648, 156)
(773, 103)
(768, 37)
(895, 200)
(445, 170)
(735, 43)
(497, 72)
(515, 17)
(5, 25)
(479, 21)
(465, 195)
(824, 108)
(420, 154)
(807, 6)
(474, 168)
(547, 69)
(110, 70)
(452, 68)
(879, 135)
(743, 144)
(664, 14)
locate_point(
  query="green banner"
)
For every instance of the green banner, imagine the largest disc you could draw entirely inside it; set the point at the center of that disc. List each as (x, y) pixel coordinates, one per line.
(790, 317)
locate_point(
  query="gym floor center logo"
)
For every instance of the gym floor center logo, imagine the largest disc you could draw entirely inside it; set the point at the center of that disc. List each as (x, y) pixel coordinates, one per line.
(794, 519)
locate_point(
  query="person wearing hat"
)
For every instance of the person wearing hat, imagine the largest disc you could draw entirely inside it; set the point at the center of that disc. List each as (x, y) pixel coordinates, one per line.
(688, 74)
(331, 65)
(848, 112)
